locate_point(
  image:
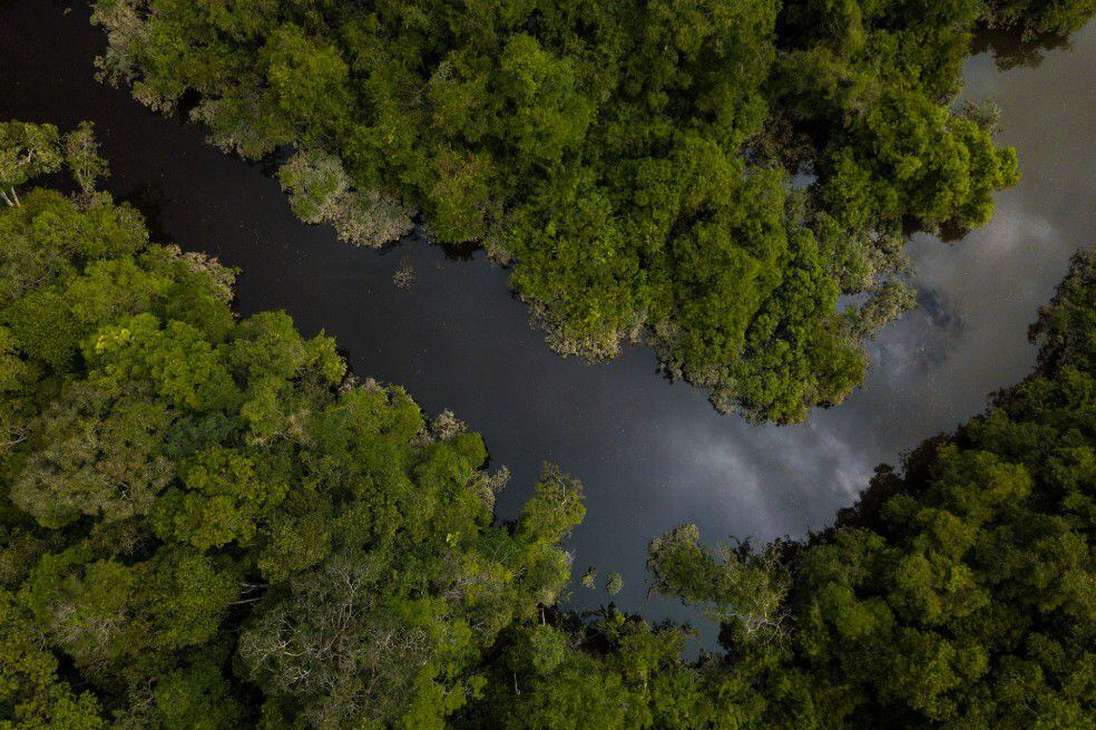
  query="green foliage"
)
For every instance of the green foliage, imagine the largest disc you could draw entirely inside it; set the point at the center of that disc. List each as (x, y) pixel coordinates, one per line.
(82, 157)
(1040, 17)
(743, 589)
(909, 157)
(614, 584)
(633, 161)
(1064, 330)
(26, 151)
(947, 590)
(200, 514)
(29, 150)
(32, 696)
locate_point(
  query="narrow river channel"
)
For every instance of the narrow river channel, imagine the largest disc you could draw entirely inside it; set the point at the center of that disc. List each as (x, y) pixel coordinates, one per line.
(652, 454)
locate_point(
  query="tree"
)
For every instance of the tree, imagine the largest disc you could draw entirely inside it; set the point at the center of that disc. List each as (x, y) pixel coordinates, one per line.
(29, 150)
(1053, 17)
(743, 588)
(31, 694)
(82, 157)
(321, 193)
(26, 151)
(307, 78)
(614, 584)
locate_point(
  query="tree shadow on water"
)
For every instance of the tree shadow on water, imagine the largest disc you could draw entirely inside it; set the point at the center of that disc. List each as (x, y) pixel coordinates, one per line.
(150, 200)
(1010, 49)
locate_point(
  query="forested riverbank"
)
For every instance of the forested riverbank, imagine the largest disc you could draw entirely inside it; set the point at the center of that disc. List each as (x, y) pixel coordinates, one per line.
(655, 454)
(212, 525)
(631, 162)
(206, 522)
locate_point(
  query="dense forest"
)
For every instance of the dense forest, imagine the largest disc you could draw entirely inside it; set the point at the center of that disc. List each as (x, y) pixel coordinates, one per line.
(205, 522)
(707, 176)
(200, 512)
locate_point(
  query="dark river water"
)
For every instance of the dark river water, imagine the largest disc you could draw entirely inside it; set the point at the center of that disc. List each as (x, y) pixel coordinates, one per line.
(652, 454)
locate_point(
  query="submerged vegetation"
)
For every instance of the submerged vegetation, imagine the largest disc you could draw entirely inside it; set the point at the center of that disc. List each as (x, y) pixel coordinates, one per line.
(707, 175)
(206, 523)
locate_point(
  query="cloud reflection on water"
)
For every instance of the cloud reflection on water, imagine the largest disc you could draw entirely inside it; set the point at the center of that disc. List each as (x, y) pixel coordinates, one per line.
(931, 370)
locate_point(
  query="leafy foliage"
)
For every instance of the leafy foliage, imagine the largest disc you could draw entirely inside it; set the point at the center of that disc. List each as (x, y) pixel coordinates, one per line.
(196, 511)
(1041, 17)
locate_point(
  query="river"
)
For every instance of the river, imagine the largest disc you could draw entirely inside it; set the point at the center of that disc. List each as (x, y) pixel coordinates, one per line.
(652, 454)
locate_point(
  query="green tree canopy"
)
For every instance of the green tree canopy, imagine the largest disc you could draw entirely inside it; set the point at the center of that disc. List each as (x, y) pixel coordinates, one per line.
(205, 521)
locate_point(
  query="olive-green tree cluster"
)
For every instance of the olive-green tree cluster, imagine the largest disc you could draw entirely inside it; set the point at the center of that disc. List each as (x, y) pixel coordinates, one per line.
(638, 163)
(204, 522)
(30, 150)
(960, 594)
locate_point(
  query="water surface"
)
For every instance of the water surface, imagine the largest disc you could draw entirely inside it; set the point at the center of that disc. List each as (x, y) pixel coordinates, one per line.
(652, 454)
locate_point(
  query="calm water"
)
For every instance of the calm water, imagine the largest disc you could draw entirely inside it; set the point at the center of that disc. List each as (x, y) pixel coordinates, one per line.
(652, 454)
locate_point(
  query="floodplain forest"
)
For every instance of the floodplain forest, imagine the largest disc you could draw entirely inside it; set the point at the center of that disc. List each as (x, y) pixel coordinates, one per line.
(206, 522)
(703, 175)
